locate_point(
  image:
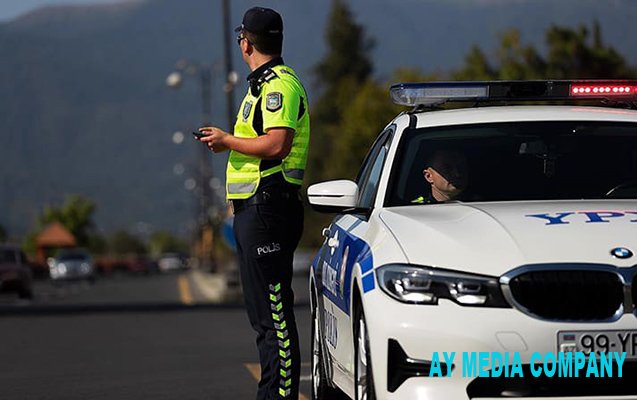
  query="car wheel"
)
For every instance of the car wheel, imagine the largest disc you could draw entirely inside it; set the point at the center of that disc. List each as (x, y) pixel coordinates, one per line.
(364, 379)
(25, 293)
(321, 389)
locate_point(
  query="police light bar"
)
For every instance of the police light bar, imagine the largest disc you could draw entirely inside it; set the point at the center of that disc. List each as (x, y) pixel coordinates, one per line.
(432, 93)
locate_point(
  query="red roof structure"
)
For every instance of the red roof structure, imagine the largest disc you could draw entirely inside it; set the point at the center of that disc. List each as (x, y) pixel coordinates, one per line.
(55, 235)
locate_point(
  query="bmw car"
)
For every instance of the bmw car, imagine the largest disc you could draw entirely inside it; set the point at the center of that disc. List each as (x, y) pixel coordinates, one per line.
(533, 253)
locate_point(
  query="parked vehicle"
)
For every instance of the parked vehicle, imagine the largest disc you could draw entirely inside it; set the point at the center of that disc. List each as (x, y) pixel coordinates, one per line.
(72, 264)
(142, 265)
(170, 262)
(15, 272)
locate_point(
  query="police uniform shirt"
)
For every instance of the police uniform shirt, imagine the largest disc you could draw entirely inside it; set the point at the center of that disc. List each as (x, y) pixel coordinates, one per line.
(272, 103)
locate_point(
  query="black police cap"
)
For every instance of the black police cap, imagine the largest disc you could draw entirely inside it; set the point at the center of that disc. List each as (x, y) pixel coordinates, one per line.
(262, 21)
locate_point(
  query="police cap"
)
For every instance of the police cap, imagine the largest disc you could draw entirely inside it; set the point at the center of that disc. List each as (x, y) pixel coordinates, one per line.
(262, 21)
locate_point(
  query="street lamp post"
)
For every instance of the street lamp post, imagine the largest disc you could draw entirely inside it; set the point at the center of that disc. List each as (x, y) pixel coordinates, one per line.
(206, 256)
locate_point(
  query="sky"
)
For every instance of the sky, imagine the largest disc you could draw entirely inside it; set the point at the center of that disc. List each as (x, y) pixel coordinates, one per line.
(10, 9)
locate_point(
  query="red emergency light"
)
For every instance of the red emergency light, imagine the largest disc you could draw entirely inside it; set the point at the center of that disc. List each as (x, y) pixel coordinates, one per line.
(604, 89)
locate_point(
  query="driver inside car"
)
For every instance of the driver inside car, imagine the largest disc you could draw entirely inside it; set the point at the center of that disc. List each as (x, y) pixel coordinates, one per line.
(446, 175)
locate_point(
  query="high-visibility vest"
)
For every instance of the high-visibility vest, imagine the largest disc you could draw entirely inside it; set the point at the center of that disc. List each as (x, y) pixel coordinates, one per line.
(281, 99)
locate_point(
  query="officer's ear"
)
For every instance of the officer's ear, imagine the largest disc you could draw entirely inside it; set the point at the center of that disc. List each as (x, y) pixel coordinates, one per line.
(428, 175)
(249, 47)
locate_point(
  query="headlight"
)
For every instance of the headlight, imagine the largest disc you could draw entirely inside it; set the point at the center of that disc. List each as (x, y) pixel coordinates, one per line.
(425, 285)
(61, 268)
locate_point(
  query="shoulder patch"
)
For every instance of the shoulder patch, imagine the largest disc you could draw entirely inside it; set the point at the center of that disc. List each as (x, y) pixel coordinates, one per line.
(269, 75)
(247, 107)
(274, 101)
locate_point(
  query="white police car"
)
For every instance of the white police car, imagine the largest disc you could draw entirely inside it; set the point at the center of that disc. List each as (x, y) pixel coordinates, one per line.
(534, 257)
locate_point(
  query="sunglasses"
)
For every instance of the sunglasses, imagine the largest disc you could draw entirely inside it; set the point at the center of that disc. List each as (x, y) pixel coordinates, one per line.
(240, 37)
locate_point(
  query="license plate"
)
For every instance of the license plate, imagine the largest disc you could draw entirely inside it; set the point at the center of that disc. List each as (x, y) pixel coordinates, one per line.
(598, 341)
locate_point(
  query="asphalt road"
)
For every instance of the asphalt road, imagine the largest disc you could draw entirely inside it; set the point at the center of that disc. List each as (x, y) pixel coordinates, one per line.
(131, 338)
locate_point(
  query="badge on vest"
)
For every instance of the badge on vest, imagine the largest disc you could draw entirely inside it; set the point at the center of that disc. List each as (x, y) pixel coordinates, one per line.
(247, 107)
(274, 101)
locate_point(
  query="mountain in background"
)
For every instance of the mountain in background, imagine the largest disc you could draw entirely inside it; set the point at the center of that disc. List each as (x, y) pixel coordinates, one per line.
(85, 108)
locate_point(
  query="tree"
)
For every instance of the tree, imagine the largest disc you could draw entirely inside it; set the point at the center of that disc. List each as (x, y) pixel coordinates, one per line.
(76, 214)
(342, 71)
(346, 64)
(164, 242)
(124, 243)
(339, 76)
(476, 67)
(572, 54)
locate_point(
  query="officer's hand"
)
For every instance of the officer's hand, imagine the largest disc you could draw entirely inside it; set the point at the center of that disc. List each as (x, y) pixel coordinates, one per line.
(214, 138)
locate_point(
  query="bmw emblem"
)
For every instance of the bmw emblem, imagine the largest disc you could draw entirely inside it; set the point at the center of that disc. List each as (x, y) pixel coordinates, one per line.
(621, 252)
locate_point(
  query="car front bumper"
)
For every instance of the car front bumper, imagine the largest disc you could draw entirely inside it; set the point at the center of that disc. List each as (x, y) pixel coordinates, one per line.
(421, 330)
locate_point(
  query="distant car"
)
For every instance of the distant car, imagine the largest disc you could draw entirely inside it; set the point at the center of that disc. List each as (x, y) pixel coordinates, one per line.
(142, 265)
(15, 273)
(72, 264)
(171, 262)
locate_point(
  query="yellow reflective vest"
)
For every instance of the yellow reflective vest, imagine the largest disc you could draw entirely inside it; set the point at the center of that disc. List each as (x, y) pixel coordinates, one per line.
(282, 102)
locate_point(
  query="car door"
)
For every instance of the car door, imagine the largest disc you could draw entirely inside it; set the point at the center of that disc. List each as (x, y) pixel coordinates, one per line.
(346, 248)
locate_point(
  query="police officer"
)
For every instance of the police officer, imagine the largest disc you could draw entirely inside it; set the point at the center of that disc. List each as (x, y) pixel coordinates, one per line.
(447, 174)
(268, 154)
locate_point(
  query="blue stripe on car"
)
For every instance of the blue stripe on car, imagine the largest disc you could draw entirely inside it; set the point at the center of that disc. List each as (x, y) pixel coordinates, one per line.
(359, 252)
(368, 282)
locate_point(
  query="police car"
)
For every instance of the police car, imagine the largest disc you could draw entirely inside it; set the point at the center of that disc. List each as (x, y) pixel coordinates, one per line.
(535, 256)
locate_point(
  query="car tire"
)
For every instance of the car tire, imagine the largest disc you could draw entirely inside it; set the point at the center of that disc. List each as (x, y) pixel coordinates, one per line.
(25, 293)
(363, 376)
(321, 390)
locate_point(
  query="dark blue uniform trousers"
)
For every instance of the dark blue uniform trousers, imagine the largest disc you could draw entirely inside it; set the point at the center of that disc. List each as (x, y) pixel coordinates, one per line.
(267, 235)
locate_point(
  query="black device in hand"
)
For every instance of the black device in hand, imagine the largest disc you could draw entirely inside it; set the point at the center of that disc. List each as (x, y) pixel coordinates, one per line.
(198, 135)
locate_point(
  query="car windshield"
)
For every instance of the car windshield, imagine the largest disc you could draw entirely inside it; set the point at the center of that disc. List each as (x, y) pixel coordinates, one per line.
(520, 161)
(72, 256)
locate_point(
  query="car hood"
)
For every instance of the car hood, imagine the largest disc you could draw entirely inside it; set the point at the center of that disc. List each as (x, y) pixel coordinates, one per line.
(493, 238)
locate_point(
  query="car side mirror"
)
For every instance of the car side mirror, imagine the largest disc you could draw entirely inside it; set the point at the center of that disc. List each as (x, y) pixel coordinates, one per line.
(338, 196)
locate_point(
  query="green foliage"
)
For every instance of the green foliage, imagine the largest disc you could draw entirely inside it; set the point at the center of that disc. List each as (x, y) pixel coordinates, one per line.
(124, 243)
(342, 71)
(571, 54)
(28, 244)
(368, 111)
(76, 214)
(164, 242)
(476, 67)
(341, 75)
(97, 244)
(348, 49)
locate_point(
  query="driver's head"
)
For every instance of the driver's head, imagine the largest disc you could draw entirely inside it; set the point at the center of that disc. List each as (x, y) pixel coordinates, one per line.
(447, 173)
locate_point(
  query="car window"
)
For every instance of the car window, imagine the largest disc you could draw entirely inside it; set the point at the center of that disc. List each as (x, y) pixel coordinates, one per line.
(72, 255)
(523, 161)
(372, 169)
